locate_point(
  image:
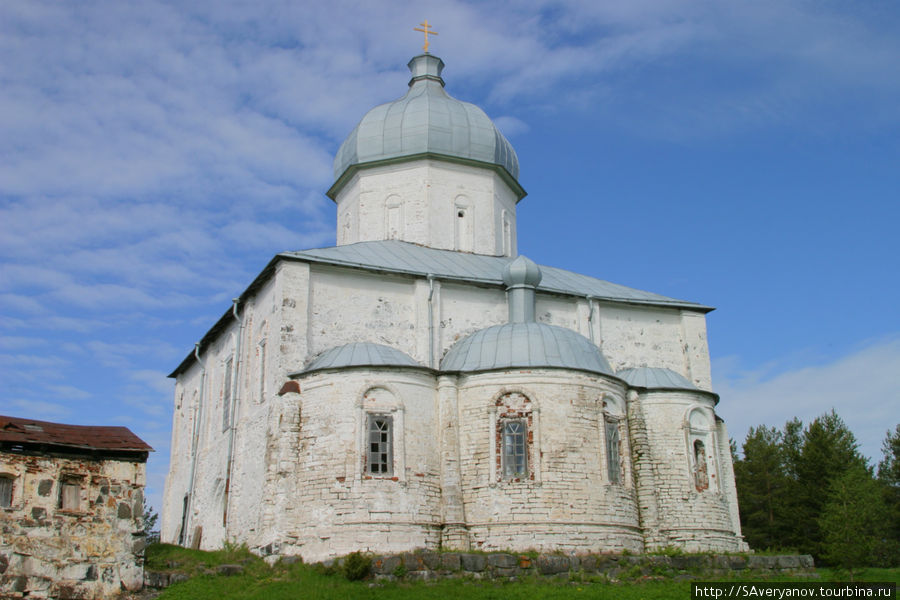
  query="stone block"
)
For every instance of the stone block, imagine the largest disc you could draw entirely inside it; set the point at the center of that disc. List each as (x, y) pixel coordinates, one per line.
(553, 564)
(230, 569)
(386, 565)
(432, 560)
(450, 561)
(44, 487)
(788, 562)
(413, 562)
(473, 562)
(504, 561)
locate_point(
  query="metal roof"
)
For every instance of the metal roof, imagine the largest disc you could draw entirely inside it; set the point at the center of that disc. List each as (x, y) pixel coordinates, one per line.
(28, 431)
(359, 354)
(525, 345)
(403, 257)
(427, 120)
(655, 378)
(392, 256)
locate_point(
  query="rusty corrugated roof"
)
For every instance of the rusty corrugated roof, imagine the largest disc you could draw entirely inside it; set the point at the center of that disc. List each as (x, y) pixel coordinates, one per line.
(91, 437)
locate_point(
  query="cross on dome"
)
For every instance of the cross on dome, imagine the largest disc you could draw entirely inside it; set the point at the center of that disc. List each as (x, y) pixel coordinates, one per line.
(426, 31)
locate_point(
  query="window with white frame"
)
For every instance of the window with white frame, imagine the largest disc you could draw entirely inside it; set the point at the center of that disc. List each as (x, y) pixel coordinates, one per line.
(514, 445)
(380, 449)
(514, 437)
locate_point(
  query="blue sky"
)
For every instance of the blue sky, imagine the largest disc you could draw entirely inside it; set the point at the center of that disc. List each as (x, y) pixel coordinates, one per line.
(746, 155)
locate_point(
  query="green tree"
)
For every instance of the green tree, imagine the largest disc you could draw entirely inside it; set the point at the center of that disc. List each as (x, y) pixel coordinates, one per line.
(889, 477)
(828, 450)
(150, 517)
(852, 519)
(761, 485)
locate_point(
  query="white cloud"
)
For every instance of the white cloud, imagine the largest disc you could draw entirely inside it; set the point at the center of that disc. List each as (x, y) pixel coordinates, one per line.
(862, 387)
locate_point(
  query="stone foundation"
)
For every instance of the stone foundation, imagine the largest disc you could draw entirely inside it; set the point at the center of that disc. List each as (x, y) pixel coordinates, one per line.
(501, 565)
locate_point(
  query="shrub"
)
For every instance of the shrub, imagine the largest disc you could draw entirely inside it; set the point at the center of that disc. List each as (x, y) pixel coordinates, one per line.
(357, 566)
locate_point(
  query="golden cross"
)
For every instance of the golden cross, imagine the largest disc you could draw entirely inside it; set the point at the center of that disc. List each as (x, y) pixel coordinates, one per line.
(426, 31)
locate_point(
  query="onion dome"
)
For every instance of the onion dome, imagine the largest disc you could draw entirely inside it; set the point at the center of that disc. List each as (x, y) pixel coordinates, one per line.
(360, 354)
(655, 378)
(426, 122)
(525, 345)
(521, 272)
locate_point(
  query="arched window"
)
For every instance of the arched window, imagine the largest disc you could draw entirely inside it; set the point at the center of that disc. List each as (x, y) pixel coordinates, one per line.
(701, 445)
(393, 218)
(381, 424)
(701, 467)
(464, 228)
(514, 442)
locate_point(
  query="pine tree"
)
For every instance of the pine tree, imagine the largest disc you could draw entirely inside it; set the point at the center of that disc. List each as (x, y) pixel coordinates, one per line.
(828, 450)
(852, 519)
(889, 478)
(761, 484)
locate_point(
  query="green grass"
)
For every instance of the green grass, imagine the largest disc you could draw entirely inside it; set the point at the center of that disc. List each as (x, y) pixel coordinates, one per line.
(283, 582)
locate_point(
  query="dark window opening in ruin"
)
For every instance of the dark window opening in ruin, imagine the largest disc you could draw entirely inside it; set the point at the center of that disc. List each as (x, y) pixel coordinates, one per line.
(514, 448)
(6, 491)
(701, 470)
(613, 456)
(70, 494)
(379, 456)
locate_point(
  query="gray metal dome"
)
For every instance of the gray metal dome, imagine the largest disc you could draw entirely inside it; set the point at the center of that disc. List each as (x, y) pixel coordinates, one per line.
(655, 378)
(426, 120)
(360, 354)
(525, 345)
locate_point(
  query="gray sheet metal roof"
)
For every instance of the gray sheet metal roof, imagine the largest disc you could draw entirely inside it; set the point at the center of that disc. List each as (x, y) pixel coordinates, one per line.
(402, 257)
(655, 378)
(427, 120)
(360, 354)
(525, 345)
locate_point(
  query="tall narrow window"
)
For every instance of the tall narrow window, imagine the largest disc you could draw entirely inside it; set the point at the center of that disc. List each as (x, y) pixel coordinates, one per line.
(226, 394)
(507, 235)
(514, 456)
(6, 491)
(380, 459)
(463, 229)
(262, 370)
(613, 459)
(70, 495)
(701, 468)
(393, 222)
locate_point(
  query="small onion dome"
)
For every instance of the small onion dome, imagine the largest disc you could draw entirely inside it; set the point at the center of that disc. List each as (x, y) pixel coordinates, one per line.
(426, 121)
(522, 271)
(655, 378)
(360, 354)
(525, 345)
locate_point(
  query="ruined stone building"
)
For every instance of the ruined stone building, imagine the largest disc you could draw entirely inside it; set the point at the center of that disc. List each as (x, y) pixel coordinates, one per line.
(71, 502)
(421, 385)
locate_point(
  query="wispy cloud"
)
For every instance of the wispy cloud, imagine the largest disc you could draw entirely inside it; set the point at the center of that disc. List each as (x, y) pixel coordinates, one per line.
(862, 387)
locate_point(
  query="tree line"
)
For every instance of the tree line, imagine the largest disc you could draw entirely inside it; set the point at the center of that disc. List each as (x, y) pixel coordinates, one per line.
(809, 489)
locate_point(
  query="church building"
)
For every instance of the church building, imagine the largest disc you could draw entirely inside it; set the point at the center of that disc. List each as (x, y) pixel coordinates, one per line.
(421, 385)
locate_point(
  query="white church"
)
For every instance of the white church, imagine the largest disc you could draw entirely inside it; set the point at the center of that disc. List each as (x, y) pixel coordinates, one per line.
(421, 385)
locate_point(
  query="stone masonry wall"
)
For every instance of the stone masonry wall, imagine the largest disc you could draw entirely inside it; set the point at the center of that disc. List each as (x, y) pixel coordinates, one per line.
(91, 551)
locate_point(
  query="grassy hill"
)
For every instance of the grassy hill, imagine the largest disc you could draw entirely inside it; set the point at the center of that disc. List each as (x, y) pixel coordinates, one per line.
(252, 578)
